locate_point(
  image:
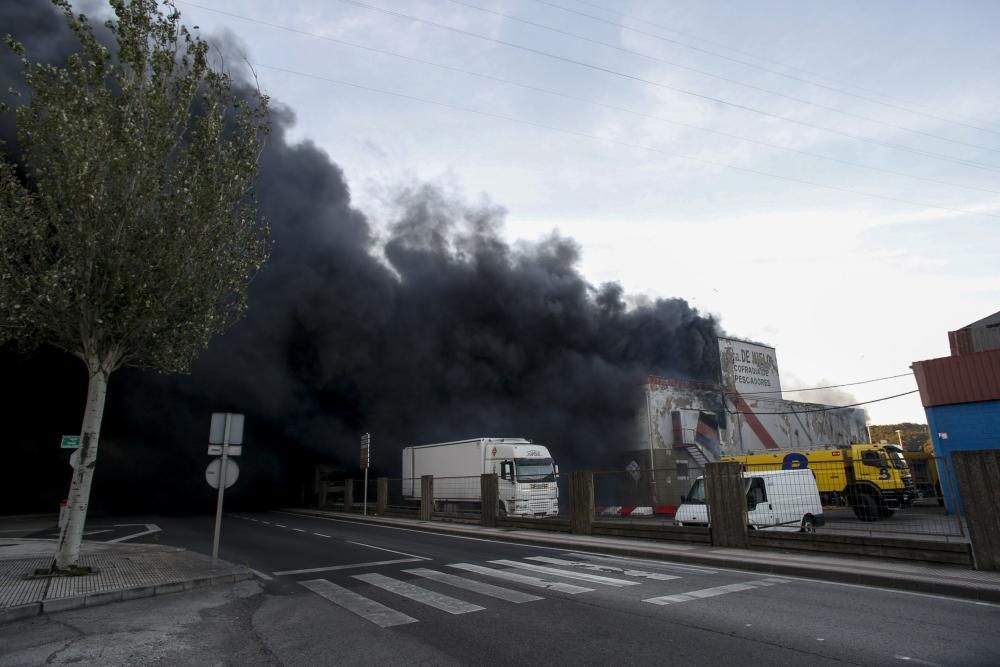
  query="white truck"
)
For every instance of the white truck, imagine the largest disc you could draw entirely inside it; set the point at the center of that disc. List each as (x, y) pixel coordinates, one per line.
(525, 470)
(776, 500)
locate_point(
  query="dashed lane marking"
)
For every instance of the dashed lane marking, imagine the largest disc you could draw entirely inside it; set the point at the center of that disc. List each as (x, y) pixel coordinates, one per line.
(499, 592)
(418, 594)
(370, 610)
(401, 553)
(320, 535)
(713, 592)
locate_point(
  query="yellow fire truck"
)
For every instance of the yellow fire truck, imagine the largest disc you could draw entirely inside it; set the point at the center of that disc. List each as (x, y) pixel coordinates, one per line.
(873, 479)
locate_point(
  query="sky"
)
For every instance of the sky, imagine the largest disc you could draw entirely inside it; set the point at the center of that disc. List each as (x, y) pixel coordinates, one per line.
(821, 177)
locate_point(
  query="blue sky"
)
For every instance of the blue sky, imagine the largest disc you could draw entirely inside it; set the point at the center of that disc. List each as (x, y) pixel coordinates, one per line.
(847, 287)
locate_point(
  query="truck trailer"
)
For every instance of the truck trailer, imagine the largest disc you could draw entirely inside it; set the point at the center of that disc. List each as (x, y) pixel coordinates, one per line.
(873, 479)
(526, 474)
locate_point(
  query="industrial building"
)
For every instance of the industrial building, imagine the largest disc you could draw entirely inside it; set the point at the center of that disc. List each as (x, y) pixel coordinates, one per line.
(961, 397)
(682, 425)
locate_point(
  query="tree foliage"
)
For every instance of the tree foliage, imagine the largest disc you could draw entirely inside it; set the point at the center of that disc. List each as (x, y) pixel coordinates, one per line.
(128, 230)
(915, 436)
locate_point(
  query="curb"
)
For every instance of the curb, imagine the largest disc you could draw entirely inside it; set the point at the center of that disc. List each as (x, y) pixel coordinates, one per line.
(95, 599)
(837, 574)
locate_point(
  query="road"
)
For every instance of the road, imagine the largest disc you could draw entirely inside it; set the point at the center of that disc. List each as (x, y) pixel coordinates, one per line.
(341, 592)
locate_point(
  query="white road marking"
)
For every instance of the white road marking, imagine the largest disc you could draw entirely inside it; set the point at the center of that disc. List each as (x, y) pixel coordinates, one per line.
(918, 661)
(267, 522)
(593, 578)
(103, 530)
(657, 576)
(260, 574)
(713, 592)
(510, 595)
(278, 525)
(401, 553)
(298, 530)
(320, 535)
(418, 594)
(522, 579)
(685, 569)
(352, 566)
(526, 543)
(151, 528)
(369, 610)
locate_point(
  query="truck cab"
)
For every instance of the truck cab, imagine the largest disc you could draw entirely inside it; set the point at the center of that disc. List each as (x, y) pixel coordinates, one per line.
(527, 478)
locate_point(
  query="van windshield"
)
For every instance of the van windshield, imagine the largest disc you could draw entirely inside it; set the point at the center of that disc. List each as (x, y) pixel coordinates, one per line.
(697, 493)
(534, 470)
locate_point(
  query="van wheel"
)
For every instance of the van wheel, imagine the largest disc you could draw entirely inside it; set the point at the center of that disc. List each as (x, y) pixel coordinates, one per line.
(808, 524)
(502, 510)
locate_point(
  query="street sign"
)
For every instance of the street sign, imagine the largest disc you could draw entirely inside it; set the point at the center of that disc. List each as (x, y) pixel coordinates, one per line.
(70, 442)
(366, 440)
(217, 432)
(212, 473)
(216, 450)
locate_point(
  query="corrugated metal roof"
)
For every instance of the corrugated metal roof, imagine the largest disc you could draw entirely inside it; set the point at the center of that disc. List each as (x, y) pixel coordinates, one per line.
(965, 379)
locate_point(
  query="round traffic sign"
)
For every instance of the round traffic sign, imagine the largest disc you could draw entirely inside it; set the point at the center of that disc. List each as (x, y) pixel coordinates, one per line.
(212, 473)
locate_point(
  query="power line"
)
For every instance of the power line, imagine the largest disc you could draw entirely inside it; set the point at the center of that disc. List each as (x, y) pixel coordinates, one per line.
(737, 82)
(756, 66)
(651, 149)
(830, 386)
(826, 409)
(585, 100)
(598, 68)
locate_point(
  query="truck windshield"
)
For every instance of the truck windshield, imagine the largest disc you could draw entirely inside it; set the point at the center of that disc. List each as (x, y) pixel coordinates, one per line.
(697, 493)
(534, 470)
(896, 457)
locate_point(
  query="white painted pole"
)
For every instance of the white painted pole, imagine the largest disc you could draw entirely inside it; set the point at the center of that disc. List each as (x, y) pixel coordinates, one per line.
(222, 489)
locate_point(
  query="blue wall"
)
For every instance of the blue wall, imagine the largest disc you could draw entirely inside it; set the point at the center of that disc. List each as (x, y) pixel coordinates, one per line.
(969, 426)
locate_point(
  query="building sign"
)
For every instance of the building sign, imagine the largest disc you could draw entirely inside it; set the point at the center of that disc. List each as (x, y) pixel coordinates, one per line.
(749, 367)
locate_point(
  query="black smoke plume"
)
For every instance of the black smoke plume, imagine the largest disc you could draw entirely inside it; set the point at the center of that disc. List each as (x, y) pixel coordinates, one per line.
(436, 328)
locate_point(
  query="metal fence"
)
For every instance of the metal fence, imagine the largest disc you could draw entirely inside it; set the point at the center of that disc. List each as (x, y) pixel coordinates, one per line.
(629, 496)
(857, 498)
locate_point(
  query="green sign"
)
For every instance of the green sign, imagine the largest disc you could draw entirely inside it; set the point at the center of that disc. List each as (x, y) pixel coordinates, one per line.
(70, 442)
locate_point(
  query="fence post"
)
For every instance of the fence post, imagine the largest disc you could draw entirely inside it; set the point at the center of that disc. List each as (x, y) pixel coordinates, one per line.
(489, 491)
(426, 497)
(727, 505)
(324, 486)
(381, 495)
(976, 474)
(581, 501)
(348, 495)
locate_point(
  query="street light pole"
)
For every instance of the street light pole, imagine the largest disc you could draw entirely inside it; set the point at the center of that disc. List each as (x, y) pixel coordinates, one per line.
(899, 435)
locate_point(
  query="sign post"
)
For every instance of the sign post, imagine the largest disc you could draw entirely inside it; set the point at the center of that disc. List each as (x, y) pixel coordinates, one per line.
(226, 430)
(366, 441)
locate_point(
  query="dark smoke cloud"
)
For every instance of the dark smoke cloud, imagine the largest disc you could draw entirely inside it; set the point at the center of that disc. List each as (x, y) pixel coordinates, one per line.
(438, 329)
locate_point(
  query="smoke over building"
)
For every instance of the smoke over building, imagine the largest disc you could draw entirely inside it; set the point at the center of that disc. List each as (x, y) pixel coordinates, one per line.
(437, 329)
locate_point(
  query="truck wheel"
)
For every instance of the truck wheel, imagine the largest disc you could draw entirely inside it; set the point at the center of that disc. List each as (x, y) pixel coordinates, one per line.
(940, 496)
(808, 524)
(885, 512)
(502, 510)
(865, 507)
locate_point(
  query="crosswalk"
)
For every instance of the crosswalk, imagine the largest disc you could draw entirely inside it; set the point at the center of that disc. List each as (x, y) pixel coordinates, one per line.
(550, 574)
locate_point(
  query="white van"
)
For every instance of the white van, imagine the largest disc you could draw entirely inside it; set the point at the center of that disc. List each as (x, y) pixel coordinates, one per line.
(776, 500)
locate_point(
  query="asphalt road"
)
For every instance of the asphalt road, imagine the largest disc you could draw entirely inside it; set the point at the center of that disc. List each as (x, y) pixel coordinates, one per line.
(342, 592)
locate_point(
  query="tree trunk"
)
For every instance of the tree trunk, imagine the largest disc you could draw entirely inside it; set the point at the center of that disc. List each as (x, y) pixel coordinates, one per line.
(68, 551)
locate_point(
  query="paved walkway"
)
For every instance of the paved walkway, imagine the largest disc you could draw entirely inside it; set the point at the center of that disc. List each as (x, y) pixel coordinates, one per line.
(123, 572)
(862, 570)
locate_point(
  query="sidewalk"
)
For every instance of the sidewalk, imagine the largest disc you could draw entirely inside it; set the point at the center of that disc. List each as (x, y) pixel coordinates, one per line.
(859, 570)
(123, 572)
